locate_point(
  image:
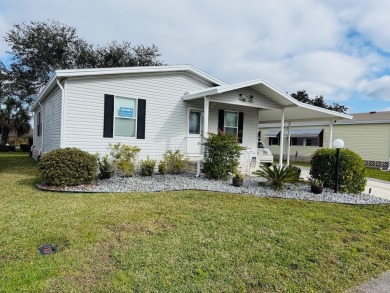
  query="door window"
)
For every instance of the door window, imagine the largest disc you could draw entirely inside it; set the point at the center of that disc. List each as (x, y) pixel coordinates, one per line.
(194, 123)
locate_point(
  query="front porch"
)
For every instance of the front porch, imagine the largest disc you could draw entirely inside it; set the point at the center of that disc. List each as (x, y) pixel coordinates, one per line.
(238, 109)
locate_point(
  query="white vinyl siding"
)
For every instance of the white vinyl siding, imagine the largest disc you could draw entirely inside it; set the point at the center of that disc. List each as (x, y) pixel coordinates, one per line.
(259, 100)
(51, 124)
(166, 112)
(249, 138)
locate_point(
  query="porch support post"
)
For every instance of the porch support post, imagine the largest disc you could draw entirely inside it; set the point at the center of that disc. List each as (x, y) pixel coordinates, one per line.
(288, 143)
(281, 138)
(330, 133)
(206, 117)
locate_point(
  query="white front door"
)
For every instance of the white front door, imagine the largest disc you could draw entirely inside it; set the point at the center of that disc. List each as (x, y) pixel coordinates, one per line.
(195, 131)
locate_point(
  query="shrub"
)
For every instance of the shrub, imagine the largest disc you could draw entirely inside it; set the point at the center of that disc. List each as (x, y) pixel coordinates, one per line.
(3, 148)
(175, 163)
(278, 177)
(67, 167)
(222, 154)
(147, 167)
(296, 170)
(124, 157)
(106, 167)
(25, 147)
(162, 168)
(351, 174)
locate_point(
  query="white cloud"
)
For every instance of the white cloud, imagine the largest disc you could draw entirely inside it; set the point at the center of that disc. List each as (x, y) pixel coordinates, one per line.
(377, 88)
(295, 45)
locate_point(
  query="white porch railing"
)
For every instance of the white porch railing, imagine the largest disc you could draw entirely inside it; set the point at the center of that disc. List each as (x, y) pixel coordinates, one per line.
(193, 146)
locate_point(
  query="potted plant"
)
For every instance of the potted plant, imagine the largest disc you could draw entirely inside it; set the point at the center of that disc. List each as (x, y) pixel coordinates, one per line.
(317, 186)
(238, 180)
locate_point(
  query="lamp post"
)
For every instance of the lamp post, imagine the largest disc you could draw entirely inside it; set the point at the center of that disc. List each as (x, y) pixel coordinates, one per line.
(337, 144)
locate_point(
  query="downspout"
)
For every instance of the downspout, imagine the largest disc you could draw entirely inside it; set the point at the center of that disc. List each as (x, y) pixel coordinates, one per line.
(42, 118)
(62, 113)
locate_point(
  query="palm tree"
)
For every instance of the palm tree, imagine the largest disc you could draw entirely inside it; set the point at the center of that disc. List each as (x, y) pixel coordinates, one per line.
(14, 116)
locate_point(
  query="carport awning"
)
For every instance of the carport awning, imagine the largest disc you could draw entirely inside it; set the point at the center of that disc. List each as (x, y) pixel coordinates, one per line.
(272, 133)
(295, 132)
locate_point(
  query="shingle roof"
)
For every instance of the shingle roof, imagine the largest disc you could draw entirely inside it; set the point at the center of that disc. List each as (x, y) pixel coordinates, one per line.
(371, 116)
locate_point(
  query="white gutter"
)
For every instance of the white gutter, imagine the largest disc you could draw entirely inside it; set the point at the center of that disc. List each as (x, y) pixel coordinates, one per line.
(41, 125)
(62, 113)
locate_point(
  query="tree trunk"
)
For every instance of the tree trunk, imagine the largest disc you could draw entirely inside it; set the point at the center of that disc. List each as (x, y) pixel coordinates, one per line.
(4, 135)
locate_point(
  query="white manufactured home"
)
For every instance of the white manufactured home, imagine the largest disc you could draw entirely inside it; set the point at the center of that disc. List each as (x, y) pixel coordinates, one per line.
(156, 109)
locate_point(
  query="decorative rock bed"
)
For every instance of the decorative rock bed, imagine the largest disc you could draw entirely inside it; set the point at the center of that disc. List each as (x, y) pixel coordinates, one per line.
(189, 182)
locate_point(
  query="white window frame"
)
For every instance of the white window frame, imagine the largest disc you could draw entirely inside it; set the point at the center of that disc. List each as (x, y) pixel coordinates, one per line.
(224, 121)
(201, 121)
(131, 118)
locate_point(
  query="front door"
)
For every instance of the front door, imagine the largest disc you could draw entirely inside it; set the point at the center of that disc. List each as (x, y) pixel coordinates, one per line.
(195, 131)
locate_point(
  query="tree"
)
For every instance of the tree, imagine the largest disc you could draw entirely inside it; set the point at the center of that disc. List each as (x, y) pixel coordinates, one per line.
(14, 116)
(41, 47)
(318, 101)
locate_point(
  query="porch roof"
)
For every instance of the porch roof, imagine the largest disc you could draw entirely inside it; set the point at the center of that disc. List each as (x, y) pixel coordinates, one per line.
(293, 109)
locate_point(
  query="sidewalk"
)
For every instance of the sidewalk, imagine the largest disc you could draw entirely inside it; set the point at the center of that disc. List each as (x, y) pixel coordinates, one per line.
(378, 285)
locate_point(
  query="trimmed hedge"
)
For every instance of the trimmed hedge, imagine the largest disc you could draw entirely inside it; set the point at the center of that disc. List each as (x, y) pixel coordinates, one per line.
(352, 171)
(67, 167)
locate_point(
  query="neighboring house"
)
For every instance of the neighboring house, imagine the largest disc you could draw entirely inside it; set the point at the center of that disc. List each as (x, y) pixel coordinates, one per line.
(157, 108)
(15, 140)
(368, 134)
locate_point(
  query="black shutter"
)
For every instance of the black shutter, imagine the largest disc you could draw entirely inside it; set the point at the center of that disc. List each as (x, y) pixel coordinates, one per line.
(321, 142)
(141, 113)
(108, 126)
(240, 126)
(221, 120)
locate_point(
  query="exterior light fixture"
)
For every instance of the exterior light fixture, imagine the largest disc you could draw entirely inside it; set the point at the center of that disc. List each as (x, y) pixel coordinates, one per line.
(245, 98)
(337, 144)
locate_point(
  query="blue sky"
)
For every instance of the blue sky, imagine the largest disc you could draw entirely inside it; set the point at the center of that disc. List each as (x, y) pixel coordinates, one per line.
(338, 49)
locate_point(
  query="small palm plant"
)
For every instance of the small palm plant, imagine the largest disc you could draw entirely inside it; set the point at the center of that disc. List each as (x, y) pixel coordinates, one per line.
(278, 177)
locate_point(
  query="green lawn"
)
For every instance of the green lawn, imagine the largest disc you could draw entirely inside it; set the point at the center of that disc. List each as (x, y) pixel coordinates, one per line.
(378, 174)
(181, 241)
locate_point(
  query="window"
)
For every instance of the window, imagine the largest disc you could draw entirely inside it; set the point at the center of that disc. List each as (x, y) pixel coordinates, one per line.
(297, 141)
(312, 141)
(273, 141)
(231, 123)
(125, 116)
(194, 122)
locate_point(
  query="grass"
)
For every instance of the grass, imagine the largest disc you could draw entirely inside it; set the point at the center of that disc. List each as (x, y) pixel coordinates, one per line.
(378, 174)
(189, 241)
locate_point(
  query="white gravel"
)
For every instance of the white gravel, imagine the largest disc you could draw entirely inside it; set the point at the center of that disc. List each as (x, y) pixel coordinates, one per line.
(187, 182)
